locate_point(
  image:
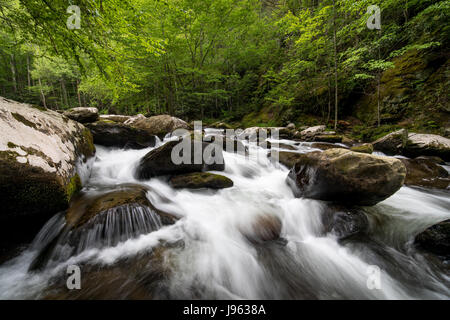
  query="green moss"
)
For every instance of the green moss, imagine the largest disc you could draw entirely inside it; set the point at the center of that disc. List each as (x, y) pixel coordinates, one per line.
(21, 119)
(73, 186)
(88, 143)
(11, 145)
(35, 106)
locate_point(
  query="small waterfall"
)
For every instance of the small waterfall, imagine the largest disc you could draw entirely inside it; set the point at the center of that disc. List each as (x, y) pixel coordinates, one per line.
(57, 242)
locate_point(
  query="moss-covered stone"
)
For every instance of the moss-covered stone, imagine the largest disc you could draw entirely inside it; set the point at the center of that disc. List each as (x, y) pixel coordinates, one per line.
(364, 148)
(200, 180)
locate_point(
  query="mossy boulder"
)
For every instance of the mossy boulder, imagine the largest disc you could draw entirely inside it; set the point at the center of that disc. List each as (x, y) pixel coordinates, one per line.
(160, 125)
(85, 206)
(120, 136)
(82, 115)
(199, 180)
(39, 155)
(161, 161)
(426, 173)
(363, 148)
(332, 138)
(99, 218)
(436, 239)
(346, 177)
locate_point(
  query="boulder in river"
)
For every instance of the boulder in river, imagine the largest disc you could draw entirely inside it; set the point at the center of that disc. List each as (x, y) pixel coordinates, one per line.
(82, 115)
(311, 132)
(427, 145)
(393, 143)
(120, 136)
(347, 177)
(198, 180)
(114, 117)
(132, 120)
(436, 239)
(425, 173)
(160, 125)
(343, 222)
(363, 148)
(181, 156)
(262, 228)
(40, 151)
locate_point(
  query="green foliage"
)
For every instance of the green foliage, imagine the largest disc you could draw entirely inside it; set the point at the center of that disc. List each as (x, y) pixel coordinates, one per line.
(265, 62)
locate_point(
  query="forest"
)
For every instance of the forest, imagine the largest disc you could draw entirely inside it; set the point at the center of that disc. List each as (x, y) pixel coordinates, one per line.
(244, 62)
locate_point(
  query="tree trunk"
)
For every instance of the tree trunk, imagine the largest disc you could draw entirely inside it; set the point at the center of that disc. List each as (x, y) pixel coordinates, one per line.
(63, 87)
(42, 93)
(335, 68)
(13, 73)
(78, 93)
(28, 71)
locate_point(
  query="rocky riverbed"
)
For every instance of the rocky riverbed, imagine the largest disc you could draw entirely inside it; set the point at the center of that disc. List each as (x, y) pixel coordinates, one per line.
(304, 215)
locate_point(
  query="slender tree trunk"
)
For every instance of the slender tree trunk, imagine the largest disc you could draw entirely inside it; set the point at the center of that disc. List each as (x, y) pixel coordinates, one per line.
(335, 68)
(329, 101)
(42, 93)
(28, 71)
(64, 91)
(78, 93)
(13, 73)
(378, 81)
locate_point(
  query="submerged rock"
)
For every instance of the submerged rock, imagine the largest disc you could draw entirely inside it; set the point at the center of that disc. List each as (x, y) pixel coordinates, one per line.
(82, 115)
(344, 222)
(160, 125)
(120, 136)
(436, 239)
(263, 228)
(426, 173)
(363, 148)
(198, 180)
(346, 177)
(427, 145)
(393, 143)
(39, 154)
(159, 162)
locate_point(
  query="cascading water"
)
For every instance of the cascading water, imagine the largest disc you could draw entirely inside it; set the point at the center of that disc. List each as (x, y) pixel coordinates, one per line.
(209, 252)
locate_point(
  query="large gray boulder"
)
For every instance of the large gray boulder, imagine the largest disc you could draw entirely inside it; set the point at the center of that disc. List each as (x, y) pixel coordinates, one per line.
(120, 136)
(393, 143)
(40, 151)
(160, 125)
(159, 162)
(419, 144)
(346, 177)
(82, 115)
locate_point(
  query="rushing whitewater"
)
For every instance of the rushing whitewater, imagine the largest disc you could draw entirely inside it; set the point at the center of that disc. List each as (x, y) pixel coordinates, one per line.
(207, 254)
